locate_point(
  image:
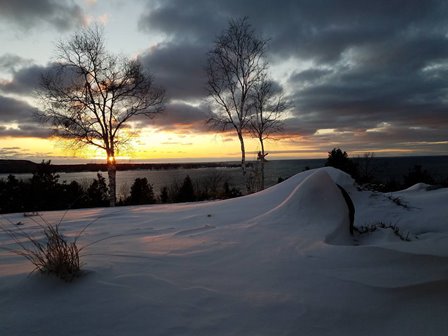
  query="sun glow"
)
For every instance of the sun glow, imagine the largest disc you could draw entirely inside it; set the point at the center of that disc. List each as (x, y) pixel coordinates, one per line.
(153, 145)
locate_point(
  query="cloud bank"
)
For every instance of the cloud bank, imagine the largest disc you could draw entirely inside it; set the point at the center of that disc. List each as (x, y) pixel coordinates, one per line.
(375, 73)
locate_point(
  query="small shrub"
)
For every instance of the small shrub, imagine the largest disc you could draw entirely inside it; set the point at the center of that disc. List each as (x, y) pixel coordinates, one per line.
(51, 252)
(405, 236)
(231, 192)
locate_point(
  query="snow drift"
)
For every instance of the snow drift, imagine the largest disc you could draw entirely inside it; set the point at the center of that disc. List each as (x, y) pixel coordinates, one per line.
(279, 262)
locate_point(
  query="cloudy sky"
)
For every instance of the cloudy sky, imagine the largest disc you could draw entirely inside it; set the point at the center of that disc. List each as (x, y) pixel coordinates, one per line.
(365, 76)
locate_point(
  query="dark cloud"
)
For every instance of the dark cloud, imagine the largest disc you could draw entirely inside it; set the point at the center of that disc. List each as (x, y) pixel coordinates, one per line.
(25, 130)
(308, 76)
(15, 111)
(184, 117)
(193, 21)
(363, 97)
(27, 14)
(320, 30)
(179, 68)
(17, 119)
(372, 62)
(25, 80)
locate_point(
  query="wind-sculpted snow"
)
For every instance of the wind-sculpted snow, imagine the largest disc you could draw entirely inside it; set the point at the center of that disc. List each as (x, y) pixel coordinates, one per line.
(316, 206)
(279, 262)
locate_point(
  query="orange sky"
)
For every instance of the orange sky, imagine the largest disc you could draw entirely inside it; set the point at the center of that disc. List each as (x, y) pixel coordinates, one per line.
(163, 147)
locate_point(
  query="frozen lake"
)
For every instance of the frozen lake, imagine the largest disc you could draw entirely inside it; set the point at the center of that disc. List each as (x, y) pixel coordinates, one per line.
(384, 168)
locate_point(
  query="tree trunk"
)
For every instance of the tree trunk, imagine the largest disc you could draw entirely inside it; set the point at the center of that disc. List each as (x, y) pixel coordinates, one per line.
(112, 174)
(243, 154)
(262, 164)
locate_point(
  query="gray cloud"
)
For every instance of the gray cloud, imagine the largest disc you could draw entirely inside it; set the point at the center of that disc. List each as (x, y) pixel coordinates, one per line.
(319, 30)
(380, 61)
(13, 110)
(184, 117)
(10, 62)
(179, 68)
(371, 63)
(20, 113)
(26, 14)
(25, 80)
(193, 21)
(25, 130)
(9, 151)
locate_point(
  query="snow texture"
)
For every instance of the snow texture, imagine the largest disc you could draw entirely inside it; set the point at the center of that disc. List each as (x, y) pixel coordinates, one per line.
(279, 262)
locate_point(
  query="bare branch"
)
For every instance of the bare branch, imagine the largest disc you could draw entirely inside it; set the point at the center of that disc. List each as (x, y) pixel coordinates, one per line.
(234, 67)
(90, 95)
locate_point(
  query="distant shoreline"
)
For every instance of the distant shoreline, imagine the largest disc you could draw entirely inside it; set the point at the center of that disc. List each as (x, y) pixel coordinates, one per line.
(11, 166)
(27, 167)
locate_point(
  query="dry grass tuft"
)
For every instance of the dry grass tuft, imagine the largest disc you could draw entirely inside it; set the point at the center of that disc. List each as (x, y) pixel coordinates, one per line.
(49, 251)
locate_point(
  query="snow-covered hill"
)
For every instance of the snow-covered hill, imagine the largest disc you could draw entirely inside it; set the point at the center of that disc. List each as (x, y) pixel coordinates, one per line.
(279, 262)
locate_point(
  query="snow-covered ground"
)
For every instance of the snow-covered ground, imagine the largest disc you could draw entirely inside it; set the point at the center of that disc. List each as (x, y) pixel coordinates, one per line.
(279, 262)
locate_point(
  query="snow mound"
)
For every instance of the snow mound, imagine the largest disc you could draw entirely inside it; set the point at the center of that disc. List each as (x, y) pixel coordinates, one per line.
(336, 175)
(418, 187)
(339, 177)
(317, 206)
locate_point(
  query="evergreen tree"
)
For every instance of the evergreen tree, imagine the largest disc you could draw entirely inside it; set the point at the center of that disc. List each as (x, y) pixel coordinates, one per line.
(74, 195)
(12, 197)
(97, 193)
(340, 160)
(45, 193)
(164, 197)
(186, 191)
(141, 192)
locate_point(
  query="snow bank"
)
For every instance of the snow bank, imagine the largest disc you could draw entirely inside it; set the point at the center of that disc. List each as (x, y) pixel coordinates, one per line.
(316, 206)
(279, 262)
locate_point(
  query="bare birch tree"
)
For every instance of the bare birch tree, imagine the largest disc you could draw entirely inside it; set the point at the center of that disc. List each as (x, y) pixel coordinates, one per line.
(268, 105)
(90, 96)
(235, 66)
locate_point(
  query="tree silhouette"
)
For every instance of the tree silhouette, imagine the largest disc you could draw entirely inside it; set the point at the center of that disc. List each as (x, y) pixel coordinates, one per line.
(97, 192)
(268, 105)
(90, 95)
(234, 67)
(45, 190)
(340, 160)
(186, 191)
(141, 192)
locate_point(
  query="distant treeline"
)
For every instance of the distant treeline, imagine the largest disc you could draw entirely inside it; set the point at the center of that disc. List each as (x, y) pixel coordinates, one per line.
(43, 191)
(365, 171)
(29, 167)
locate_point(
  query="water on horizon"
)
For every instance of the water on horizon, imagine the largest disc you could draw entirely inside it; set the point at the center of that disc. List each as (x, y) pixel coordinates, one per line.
(385, 169)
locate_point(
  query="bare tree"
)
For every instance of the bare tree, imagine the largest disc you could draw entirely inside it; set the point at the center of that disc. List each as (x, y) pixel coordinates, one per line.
(268, 105)
(235, 66)
(90, 95)
(366, 168)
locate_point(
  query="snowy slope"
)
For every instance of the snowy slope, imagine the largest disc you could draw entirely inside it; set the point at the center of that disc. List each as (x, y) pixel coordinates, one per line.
(279, 262)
